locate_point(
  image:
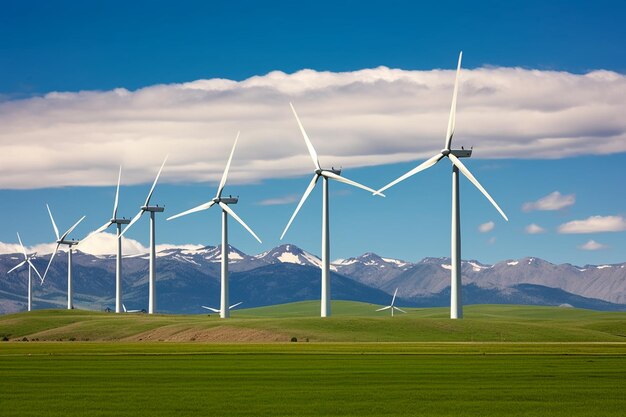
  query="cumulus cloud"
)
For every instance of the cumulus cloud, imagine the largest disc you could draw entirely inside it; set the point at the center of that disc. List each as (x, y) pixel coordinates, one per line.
(551, 202)
(355, 119)
(486, 227)
(534, 229)
(592, 245)
(100, 244)
(288, 199)
(595, 224)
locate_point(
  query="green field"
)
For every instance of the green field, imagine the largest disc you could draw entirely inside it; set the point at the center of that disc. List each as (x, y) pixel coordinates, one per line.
(351, 322)
(499, 361)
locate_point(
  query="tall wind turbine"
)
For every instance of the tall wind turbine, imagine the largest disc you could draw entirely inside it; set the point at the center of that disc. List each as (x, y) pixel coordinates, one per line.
(392, 305)
(69, 243)
(118, 262)
(325, 174)
(152, 210)
(456, 308)
(223, 202)
(27, 260)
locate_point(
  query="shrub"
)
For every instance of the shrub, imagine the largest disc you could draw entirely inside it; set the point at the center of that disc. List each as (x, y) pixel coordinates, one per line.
(5, 338)
(294, 339)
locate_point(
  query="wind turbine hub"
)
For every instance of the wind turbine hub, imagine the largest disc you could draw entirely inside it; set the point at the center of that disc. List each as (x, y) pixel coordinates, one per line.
(445, 152)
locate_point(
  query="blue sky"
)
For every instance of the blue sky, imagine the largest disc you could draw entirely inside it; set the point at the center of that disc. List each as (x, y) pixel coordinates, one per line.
(71, 47)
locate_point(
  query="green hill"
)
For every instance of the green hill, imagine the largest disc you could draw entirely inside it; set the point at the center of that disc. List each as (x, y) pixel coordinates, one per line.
(351, 322)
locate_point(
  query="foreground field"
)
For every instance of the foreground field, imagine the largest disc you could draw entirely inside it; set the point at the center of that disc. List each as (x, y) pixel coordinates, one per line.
(307, 379)
(351, 322)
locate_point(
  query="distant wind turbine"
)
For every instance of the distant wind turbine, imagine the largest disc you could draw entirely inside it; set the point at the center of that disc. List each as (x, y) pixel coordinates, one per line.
(31, 266)
(152, 209)
(118, 260)
(69, 243)
(217, 310)
(223, 202)
(325, 174)
(456, 306)
(392, 306)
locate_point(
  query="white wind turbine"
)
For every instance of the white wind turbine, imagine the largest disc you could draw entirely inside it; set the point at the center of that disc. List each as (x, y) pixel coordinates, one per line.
(217, 310)
(118, 261)
(392, 306)
(69, 243)
(27, 260)
(456, 307)
(152, 210)
(223, 202)
(325, 174)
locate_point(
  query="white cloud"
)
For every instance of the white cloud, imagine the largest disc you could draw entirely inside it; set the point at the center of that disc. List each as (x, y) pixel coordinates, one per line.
(534, 229)
(492, 240)
(288, 199)
(592, 245)
(101, 244)
(595, 224)
(486, 227)
(360, 118)
(553, 201)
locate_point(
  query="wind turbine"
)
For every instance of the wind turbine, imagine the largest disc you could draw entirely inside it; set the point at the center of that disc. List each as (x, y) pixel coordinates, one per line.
(69, 243)
(325, 174)
(27, 260)
(223, 202)
(152, 210)
(217, 310)
(456, 307)
(392, 306)
(118, 261)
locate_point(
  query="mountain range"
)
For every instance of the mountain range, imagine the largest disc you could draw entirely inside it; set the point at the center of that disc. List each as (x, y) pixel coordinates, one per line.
(189, 278)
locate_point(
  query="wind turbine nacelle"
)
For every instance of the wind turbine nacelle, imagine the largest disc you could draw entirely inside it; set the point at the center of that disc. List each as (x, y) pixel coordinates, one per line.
(156, 209)
(461, 153)
(229, 200)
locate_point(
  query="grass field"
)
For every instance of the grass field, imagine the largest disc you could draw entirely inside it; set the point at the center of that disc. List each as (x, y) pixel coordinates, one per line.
(351, 322)
(499, 361)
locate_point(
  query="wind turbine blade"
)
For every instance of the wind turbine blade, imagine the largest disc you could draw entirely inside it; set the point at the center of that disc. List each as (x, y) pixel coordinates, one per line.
(124, 307)
(72, 228)
(137, 216)
(117, 194)
(232, 213)
(393, 300)
(309, 145)
(215, 310)
(56, 230)
(235, 305)
(95, 232)
(308, 190)
(23, 249)
(50, 262)
(424, 165)
(17, 266)
(155, 182)
(399, 309)
(37, 272)
(330, 174)
(474, 181)
(201, 207)
(384, 308)
(225, 175)
(452, 119)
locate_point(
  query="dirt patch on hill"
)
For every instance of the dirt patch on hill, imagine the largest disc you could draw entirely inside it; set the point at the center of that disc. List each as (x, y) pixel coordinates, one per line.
(218, 334)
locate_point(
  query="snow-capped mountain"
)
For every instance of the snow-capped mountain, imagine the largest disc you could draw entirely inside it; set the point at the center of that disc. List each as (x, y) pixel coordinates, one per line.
(189, 277)
(289, 253)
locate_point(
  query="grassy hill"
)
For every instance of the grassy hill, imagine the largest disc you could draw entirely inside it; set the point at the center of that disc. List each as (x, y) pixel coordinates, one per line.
(351, 322)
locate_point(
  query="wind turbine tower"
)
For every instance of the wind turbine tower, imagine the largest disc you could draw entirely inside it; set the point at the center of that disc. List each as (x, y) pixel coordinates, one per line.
(61, 240)
(151, 209)
(223, 202)
(456, 305)
(27, 260)
(325, 174)
(118, 261)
